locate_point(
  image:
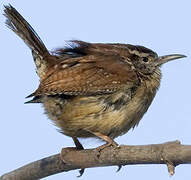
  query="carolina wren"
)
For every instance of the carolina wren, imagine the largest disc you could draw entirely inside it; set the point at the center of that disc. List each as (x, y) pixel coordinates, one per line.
(92, 89)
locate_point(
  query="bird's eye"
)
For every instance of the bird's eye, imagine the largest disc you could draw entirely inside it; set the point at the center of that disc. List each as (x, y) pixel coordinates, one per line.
(145, 59)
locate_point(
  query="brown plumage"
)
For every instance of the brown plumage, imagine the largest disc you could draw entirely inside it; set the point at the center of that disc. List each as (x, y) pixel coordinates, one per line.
(91, 90)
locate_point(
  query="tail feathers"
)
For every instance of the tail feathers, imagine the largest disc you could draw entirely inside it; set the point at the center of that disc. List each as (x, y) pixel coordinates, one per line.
(36, 99)
(23, 29)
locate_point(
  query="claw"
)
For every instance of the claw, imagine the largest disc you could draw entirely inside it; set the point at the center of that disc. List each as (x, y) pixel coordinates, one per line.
(119, 168)
(81, 171)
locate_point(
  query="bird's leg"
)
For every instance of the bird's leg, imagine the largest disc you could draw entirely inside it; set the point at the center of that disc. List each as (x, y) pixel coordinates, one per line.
(109, 141)
(78, 147)
(77, 143)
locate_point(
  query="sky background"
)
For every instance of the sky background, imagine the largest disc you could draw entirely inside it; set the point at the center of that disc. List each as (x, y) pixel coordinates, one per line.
(27, 135)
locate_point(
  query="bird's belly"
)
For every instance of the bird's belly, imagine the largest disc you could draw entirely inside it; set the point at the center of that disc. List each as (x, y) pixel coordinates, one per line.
(111, 115)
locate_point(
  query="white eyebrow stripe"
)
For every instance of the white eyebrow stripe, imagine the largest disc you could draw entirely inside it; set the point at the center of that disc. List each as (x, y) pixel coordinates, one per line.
(140, 54)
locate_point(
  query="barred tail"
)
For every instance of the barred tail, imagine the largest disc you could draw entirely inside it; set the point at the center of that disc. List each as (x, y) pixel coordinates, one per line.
(23, 29)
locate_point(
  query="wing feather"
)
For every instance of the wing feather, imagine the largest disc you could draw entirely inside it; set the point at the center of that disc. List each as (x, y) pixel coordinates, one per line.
(88, 75)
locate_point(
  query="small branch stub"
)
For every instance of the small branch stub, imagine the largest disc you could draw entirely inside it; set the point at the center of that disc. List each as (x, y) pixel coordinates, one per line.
(171, 168)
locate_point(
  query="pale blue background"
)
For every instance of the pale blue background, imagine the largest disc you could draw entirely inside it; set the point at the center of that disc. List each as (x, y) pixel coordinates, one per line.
(164, 26)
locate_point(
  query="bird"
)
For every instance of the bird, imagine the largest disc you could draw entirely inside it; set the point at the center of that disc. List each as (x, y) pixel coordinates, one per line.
(99, 90)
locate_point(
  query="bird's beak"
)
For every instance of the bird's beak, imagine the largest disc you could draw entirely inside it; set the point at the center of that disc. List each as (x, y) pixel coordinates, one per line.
(163, 59)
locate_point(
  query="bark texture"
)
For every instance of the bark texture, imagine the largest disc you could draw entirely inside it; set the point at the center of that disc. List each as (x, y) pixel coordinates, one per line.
(170, 153)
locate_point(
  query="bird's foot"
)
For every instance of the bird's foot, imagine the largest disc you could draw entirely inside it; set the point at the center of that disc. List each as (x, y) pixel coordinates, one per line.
(108, 144)
(109, 141)
(65, 150)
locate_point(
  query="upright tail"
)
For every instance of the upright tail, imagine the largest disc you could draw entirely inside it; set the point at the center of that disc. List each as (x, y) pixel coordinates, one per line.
(23, 29)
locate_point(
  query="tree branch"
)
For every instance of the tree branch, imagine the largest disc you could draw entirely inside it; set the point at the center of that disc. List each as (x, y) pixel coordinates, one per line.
(170, 153)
